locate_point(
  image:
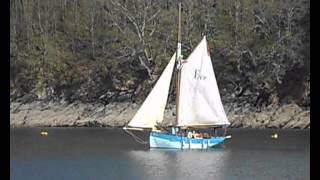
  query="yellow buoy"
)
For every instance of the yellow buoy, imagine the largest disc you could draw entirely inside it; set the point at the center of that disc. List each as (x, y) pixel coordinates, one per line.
(274, 136)
(44, 133)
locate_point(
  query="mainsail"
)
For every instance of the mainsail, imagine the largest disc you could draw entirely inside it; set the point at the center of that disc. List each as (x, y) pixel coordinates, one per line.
(152, 109)
(199, 101)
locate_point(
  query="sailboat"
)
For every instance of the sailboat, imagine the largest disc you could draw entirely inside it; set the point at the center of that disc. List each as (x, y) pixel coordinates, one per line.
(198, 103)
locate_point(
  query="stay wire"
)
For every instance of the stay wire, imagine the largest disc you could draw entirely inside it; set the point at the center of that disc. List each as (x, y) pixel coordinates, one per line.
(136, 138)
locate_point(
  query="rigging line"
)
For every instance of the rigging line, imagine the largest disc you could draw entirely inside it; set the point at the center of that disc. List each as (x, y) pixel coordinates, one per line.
(136, 138)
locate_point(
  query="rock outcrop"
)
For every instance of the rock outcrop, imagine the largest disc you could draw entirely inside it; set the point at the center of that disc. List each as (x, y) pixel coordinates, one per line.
(286, 116)
(75, 114)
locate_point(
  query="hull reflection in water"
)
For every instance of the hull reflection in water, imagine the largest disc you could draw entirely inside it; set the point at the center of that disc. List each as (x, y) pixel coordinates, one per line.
(177, 164)
(161, 140)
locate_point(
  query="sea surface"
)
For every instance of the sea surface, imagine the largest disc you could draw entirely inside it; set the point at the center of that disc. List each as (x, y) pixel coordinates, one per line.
(102, 153)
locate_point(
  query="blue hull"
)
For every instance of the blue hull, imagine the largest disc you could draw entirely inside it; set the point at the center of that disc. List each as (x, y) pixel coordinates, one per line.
(161, 140)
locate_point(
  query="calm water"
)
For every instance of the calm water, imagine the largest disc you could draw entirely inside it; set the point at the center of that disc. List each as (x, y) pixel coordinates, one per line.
(98, 153)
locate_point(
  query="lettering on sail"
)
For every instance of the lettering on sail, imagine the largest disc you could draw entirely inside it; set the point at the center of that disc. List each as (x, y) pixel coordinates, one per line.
(198, 75)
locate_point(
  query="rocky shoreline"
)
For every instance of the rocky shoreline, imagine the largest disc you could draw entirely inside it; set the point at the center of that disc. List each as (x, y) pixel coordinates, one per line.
(117, 114)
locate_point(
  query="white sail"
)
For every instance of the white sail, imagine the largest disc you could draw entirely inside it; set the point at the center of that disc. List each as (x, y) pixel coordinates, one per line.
(199, 100)
(152, 109)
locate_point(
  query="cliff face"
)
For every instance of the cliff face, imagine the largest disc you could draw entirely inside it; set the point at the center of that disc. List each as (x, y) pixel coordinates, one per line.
(76, 114)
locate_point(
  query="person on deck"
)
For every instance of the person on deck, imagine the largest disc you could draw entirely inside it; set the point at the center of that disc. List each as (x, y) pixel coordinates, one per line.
(173, 130)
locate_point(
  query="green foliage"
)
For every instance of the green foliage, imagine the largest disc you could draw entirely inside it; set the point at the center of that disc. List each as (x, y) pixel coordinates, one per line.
(98, 46)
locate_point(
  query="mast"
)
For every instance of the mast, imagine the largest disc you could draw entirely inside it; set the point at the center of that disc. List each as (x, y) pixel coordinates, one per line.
(179, 27)
(178, 59)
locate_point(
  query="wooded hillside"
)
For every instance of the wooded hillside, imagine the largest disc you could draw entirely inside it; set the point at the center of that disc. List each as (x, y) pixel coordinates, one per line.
(114, 50)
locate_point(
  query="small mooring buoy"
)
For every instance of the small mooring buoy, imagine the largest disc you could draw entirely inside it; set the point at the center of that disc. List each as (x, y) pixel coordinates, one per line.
(274, 136)
(44, 133)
